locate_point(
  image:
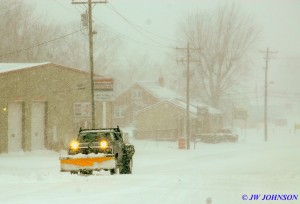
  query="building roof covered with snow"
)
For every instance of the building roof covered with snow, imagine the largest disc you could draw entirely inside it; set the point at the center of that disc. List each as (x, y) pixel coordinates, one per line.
(193, 107)
(158, 90)
(8, 67)
(17, 67)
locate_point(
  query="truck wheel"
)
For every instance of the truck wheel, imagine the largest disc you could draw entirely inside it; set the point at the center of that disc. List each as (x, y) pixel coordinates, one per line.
(126, 168)
(113, 171)
(86, 171)
(74, 172)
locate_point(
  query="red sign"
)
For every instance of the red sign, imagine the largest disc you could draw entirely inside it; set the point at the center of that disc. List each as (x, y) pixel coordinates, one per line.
(103, 84)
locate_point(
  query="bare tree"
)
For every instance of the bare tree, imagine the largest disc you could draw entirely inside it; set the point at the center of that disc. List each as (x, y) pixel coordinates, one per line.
(107, 45)
(13, 24)
(22, 31)
(135, 67)
(224, 38)
(28, 37)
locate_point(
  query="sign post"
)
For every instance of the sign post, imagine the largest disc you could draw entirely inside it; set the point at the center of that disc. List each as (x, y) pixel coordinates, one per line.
(103, 92)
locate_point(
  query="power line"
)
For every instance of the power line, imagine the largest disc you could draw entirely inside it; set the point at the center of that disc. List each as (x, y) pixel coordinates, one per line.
(133, 26)
(62, 5)
(111, 7)
(40, 44)
(144, 44)
(147, 45)
(287, 57)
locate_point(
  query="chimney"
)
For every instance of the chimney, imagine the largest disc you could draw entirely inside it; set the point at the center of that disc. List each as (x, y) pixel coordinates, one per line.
(161, 81)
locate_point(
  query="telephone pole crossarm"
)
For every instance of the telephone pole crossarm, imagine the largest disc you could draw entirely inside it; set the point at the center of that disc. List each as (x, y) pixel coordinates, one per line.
(86, 2)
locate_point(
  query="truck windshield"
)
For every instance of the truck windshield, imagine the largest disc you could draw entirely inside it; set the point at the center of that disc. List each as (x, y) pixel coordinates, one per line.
(94, 136)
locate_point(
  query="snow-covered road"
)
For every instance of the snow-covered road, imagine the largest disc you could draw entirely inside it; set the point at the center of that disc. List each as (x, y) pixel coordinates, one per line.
(162, 174)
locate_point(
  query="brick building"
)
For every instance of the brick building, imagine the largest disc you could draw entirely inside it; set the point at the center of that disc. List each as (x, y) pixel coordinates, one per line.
(166, 120)
(137, 97)
(42, 105)
(157, 112)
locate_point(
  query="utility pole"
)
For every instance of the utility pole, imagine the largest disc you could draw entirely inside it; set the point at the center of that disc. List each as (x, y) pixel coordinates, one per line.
(188, 97)
(188, 92)
(267, 57)
(91, 50)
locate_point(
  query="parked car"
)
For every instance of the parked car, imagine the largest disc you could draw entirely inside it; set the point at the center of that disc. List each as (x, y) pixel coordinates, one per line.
(223, 135)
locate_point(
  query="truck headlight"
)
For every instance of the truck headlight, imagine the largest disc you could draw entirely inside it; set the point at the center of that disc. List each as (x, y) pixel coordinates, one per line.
(103, 144)
(74, 145)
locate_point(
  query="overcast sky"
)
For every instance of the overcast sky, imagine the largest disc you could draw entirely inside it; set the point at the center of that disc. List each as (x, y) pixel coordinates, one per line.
(279, 18)
(158, 22)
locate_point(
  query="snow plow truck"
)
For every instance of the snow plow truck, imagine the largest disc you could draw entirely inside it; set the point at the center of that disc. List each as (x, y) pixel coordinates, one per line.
(96, 150)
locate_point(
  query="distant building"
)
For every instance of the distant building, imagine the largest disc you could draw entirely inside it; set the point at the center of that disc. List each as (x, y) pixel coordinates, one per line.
(156, 111)
(137, 97)
(43, 105)
(166, 120)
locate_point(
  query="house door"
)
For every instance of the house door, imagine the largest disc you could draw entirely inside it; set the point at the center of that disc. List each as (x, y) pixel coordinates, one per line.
(38, 125)
(14, 127)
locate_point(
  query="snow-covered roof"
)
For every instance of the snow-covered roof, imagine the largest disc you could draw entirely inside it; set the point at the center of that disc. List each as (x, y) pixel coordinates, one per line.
(193, 106)
(182, 105)
(163, 93)
(160, 92)
(7, 67)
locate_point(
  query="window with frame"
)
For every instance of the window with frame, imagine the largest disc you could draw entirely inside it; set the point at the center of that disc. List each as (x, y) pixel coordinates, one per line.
(136, 94)
(119, 111)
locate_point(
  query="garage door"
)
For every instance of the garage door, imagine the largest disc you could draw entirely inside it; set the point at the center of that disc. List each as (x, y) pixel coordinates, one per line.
(14, 127)
(37, 125)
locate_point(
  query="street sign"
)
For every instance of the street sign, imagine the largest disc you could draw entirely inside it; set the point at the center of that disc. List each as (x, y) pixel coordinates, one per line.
(104, 95)
(103, 89)
(103, 84)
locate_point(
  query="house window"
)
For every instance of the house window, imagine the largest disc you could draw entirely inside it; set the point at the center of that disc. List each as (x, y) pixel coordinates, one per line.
(119, 111)
(136, 94)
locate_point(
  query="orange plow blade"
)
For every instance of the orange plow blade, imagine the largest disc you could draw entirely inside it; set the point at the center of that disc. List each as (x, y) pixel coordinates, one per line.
(68, 164)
